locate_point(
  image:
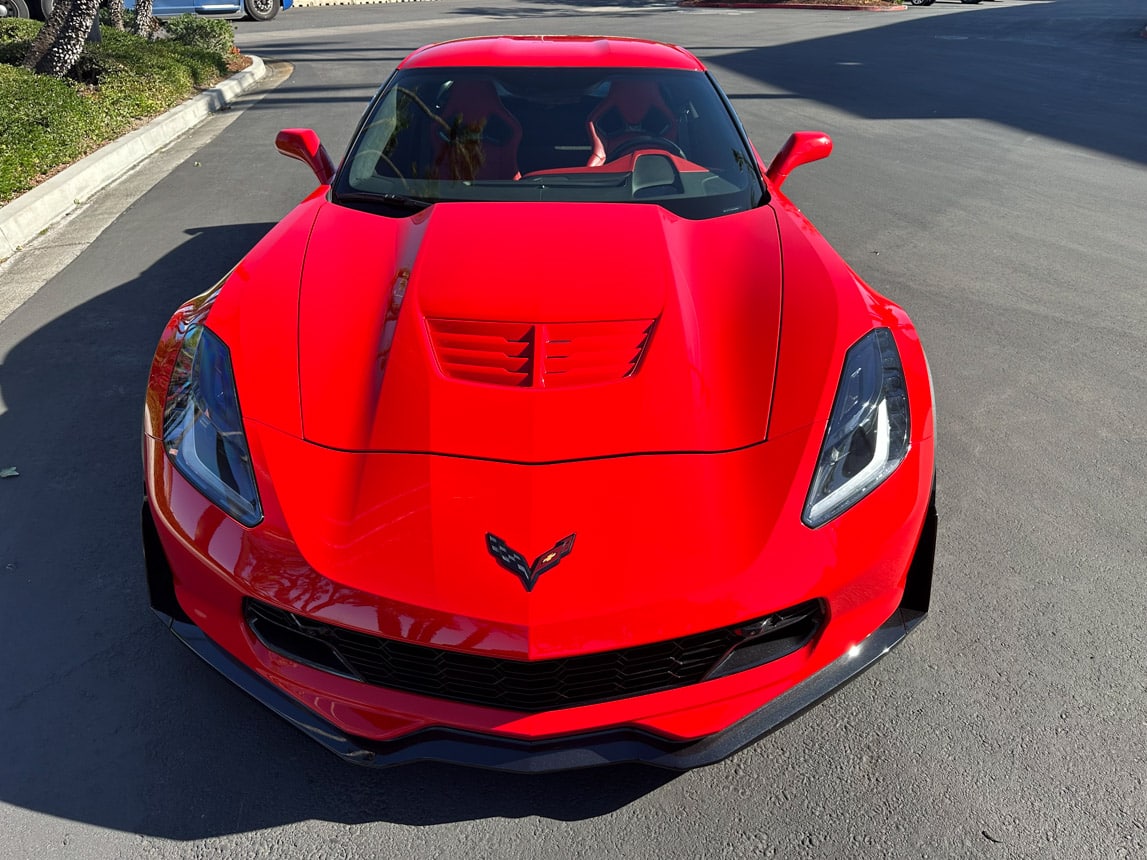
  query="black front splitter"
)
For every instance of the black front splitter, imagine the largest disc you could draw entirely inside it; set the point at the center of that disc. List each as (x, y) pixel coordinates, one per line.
(570, 752)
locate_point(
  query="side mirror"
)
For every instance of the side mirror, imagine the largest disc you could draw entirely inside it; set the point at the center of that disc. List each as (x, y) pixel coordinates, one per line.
(801, 148)
(304, 144)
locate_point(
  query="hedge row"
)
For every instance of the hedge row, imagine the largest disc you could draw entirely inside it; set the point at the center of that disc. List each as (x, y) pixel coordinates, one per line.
(116, 85)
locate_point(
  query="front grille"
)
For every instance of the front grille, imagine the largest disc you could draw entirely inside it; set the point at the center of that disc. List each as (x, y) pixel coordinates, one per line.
(535, 685)
(543, 355)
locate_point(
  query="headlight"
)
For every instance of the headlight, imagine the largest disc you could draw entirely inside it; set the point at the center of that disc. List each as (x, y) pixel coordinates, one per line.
(867, 435)
(203, 429)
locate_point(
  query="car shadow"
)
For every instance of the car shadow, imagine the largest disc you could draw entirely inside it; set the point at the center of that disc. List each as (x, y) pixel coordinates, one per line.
(108, 719)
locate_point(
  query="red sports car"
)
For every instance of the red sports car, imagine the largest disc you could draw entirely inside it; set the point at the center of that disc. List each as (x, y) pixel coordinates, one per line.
(546, 433)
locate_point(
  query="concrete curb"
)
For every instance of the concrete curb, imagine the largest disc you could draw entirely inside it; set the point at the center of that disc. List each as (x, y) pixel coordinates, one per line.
(752, 4)
(24, 218)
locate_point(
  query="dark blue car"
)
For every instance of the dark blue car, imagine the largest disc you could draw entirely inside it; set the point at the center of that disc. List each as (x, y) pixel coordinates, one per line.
(258, 10)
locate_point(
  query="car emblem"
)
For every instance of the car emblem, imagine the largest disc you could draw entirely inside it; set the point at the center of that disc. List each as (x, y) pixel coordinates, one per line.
(516, 563)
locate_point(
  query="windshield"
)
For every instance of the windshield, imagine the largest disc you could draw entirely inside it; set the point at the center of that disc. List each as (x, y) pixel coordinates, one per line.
(550, 134)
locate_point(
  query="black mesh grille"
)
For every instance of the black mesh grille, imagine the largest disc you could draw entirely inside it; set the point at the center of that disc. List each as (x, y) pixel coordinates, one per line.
(537, 685)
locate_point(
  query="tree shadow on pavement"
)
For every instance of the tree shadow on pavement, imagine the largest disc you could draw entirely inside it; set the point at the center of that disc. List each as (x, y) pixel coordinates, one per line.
(1064, 70)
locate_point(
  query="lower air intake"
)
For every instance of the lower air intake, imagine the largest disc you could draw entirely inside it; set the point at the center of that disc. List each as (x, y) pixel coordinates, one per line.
(535, 685)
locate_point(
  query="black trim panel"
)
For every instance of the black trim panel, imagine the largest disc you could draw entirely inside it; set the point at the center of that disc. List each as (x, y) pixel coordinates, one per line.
(532, 686)
(570, 752)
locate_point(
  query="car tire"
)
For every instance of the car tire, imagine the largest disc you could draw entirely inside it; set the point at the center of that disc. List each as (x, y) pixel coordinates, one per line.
(13, 9)
(41, 9)
(265, 10)
(921, 2)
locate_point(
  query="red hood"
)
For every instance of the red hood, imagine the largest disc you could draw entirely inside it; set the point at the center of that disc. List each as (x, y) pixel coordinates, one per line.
(652, 533)
(538, 332)
(400, 546)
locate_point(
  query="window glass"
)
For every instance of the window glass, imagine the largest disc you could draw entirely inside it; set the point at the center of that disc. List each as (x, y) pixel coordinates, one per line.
(652, 136)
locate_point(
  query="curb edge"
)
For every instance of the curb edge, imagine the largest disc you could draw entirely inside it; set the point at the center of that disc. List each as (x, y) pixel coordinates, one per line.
(33, 212)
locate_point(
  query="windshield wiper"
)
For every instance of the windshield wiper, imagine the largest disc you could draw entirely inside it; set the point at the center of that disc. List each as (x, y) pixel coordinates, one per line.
(412, 204)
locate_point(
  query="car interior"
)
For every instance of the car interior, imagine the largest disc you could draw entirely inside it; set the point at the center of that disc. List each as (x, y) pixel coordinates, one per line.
(594, 135)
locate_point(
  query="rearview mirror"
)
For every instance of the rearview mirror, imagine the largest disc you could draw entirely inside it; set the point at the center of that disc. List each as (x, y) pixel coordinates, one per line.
(304, 144)
(801, 148)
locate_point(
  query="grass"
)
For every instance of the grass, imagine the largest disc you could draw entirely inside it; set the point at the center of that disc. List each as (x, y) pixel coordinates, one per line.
(48, 123)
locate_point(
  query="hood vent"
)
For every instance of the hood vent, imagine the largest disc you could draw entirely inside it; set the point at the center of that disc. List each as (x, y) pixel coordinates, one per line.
(543, 355)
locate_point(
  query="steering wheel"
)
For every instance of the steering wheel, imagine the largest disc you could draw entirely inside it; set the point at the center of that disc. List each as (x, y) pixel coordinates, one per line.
(646, 141)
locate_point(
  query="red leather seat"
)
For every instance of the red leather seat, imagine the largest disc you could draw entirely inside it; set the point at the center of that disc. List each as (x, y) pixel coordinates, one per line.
(632, 109)
(480, 139)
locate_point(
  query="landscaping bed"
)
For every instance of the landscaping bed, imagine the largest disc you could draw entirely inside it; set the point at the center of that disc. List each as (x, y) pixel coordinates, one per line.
(115, 86)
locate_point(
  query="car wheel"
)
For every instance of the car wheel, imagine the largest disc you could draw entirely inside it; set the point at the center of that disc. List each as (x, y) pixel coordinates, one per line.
(921, 2)
(41, 9)
(265, 10)
(13, 9)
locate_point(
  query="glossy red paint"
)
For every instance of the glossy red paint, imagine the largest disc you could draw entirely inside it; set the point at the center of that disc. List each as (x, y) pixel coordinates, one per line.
(689, 394)
(801, 148)
(380, 474)
(553, 51)
(449, 593)
(303, 144)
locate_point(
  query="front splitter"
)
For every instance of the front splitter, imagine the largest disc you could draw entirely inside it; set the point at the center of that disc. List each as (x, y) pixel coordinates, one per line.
(570, 752)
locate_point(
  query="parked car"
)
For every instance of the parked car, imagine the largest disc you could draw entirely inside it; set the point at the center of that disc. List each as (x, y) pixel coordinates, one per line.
(13, 9)
(545, 433)
(256, 10)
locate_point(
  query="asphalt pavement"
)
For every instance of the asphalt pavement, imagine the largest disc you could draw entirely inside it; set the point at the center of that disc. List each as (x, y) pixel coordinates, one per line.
(988, 174)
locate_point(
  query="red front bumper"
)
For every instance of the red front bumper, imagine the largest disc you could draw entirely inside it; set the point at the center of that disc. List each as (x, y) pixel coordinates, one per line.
(202, 565)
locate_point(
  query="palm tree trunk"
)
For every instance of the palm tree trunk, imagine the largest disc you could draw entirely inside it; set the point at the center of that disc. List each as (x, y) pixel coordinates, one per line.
(145, 23)
(47, 34)
(115, 10)
(61, 40)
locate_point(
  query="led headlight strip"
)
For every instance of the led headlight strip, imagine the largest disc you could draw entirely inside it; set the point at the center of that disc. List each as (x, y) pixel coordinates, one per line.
(867, 433)
(203, 427)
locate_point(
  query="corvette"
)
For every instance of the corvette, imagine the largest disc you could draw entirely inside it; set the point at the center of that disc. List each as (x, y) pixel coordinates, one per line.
(545, 433)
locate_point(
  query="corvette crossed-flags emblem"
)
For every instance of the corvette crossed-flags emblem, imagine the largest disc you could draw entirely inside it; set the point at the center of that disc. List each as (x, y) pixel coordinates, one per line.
(516, 563)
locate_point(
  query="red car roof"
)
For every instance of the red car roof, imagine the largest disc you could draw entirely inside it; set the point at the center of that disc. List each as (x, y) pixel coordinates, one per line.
(553, 51)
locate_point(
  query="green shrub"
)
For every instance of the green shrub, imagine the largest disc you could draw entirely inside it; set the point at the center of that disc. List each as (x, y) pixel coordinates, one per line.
(18, 30)
(48, 122)
(16, 35)
(210, 34)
